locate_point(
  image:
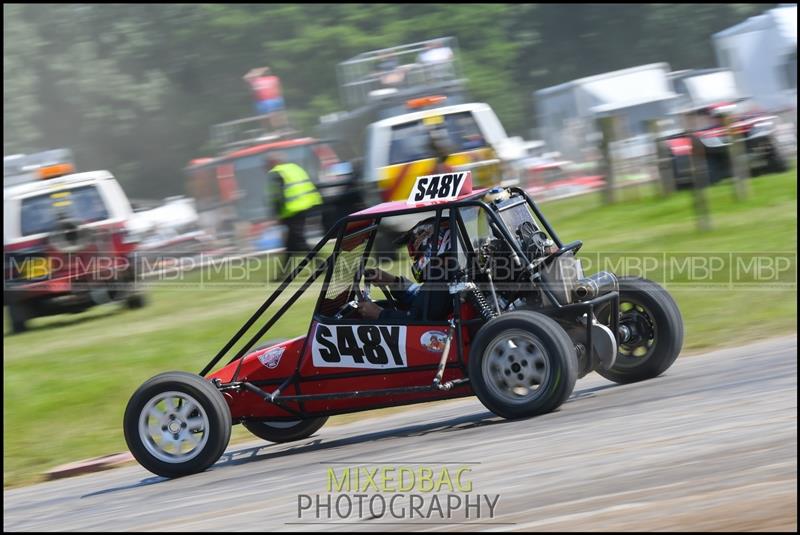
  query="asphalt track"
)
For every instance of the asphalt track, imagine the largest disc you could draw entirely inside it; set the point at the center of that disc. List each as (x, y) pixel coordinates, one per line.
(710, 445)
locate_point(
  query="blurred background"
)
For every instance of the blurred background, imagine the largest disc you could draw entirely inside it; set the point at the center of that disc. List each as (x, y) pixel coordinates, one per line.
(134, 89)
(645, 129)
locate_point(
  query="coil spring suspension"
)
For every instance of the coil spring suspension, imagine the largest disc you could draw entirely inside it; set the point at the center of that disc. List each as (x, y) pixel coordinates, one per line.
(479, 301)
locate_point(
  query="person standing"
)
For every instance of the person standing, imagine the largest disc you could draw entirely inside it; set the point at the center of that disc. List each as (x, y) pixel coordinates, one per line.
(436, 52)
(266, 89)
(294, 196)
(440, 146)
(437, 59)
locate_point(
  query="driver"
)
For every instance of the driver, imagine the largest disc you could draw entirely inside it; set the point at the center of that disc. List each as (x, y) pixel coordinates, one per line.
(431, 269)
(439, 144)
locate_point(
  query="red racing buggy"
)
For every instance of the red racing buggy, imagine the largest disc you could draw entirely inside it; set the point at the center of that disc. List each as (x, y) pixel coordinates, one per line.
(524, 324)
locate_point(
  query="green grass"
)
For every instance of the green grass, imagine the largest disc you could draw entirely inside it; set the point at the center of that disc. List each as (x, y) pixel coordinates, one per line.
(68, 379)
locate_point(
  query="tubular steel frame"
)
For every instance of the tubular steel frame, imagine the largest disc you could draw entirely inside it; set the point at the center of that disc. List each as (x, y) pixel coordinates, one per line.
(338, 230)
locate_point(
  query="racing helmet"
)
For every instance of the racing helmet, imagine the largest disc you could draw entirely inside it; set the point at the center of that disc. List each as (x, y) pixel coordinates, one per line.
(422, 246)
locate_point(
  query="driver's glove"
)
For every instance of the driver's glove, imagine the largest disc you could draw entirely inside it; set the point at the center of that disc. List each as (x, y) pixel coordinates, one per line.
(369, 310)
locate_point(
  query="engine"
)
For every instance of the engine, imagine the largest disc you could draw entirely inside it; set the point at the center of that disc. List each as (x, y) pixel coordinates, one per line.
(535, 243)
(557, 272)
(548, 277)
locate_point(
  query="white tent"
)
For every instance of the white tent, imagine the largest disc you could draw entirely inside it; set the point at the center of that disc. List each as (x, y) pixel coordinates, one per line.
(762, 54)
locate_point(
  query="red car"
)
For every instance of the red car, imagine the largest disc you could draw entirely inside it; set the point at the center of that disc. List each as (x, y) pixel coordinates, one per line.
(523, 324)
(759, 131)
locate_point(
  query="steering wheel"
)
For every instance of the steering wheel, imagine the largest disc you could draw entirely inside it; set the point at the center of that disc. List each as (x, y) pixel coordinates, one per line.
(365, 293)
(384, 288)
(571, 246)
(388, 294)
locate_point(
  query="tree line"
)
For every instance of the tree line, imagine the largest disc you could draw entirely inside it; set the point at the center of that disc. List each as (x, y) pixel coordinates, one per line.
(134, 88)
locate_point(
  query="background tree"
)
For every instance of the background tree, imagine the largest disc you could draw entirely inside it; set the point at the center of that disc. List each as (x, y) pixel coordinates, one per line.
(135, 88)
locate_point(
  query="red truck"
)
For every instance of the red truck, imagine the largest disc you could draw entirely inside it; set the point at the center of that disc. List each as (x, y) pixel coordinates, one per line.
(229, 188)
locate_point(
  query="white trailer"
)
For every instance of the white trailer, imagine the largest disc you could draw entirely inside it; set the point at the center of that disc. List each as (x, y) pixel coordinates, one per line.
(762, 54)
(566, 113)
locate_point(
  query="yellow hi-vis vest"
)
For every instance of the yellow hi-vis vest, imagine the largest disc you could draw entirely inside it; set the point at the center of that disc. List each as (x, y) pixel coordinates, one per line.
(299, 193)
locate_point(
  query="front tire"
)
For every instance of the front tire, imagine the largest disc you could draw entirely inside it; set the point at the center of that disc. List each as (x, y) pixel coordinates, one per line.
(522, 364)
(177, 424)
(280, 432)
(655, 321)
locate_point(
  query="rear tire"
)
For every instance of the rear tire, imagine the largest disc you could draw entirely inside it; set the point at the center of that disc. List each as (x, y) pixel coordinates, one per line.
(776, 161)
(280, 432)
(171, 411)
(667, 168)
(522, 364)
(19, 314)
(136, 301)
(657, 317)
(718, 170)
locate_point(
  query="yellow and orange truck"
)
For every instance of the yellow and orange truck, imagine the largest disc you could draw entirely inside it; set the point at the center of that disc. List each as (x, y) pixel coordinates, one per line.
(394, 97)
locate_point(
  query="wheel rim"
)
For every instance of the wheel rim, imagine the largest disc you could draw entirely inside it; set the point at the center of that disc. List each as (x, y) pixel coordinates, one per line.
(644, 334)
(515, 367)
(173, 427)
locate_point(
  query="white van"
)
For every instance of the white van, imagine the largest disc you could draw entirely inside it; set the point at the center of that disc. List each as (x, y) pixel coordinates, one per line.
(66, 244)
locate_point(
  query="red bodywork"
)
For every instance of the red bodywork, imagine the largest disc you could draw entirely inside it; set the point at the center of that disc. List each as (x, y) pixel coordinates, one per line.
(421, 367)
(393, 206)
(681, 146)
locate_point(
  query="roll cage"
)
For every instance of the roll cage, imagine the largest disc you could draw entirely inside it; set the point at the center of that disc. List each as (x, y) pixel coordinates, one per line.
(361, 228)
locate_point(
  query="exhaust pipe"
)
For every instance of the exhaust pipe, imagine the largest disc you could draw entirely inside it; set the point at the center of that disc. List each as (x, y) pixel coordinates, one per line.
(598, 284)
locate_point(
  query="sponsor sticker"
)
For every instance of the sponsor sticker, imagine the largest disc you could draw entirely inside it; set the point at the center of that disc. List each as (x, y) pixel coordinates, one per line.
(359, 346)
(438, 187)
(433, 341)
(271, 358)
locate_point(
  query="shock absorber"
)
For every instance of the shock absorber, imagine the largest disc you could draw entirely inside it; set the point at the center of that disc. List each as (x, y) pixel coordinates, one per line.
(480, 303)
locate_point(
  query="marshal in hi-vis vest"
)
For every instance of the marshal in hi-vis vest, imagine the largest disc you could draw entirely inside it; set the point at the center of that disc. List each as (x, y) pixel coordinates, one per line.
(299, 192)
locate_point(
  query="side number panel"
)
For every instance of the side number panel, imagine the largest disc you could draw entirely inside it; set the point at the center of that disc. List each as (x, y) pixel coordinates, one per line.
(359, 346)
